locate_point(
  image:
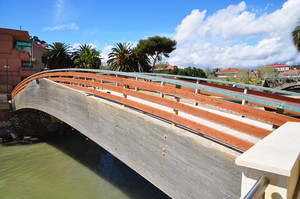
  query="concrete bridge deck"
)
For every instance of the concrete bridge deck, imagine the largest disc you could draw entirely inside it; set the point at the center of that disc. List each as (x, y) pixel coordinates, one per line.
(154, 127)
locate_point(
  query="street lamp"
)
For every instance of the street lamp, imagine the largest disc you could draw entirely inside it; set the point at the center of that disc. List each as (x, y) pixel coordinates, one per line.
(7, 92)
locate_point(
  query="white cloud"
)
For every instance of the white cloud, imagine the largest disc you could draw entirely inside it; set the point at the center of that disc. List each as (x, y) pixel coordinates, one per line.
(70, 26)
(59, 10)
(63, 13)
(105, 51)
(235, 37)
(76, 45)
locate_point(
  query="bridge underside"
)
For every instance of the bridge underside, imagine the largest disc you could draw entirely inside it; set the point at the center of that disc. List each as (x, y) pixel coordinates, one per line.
(180, 163)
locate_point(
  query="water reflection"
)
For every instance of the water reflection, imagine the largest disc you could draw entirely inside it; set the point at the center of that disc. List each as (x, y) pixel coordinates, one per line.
(68, 166)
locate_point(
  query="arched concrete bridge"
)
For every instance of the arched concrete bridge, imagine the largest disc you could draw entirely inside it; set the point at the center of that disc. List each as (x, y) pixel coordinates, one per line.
(282, 82)
(182, 136)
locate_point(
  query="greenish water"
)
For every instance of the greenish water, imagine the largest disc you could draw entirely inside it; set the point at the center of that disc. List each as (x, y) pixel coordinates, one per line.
(68, 166)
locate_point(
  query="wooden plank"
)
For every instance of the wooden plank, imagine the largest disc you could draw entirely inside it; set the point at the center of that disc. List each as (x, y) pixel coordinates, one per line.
(221, 136)
(231, 123)
(253, 113)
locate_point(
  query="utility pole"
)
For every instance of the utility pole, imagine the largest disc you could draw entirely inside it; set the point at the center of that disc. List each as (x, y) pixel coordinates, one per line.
(248, 76)
(6, 66)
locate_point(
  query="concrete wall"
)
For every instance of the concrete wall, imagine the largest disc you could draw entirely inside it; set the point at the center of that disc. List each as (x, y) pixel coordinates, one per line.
(13, 56)
(37, 54)
(4, 110)
(281, 82)
(277, 158)
(180, 163)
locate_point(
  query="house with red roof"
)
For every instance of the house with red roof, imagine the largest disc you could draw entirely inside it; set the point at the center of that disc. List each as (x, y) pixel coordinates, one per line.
(19, 58)
(163, 67)
(290, 73)
(281, 67)
(22, 56)
(229, 73)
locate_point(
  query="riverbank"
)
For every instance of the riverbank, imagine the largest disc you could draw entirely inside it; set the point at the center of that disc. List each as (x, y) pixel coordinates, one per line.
(4, 110)
(29, 126)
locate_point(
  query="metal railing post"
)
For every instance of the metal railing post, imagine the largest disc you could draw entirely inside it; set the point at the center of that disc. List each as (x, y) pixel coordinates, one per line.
(117, 84)
(175, 111)
(161, 93)
(136, 88)
(245, 92)
(196, 91)
(125, 95)
(257, 191)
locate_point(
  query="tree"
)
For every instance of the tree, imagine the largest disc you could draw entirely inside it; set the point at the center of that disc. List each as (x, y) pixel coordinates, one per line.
(193, 72)
(175, 71)
(267, 71)
(142, 60)
(35, 39)
(122, 58)
(215, 70)
(296, 37)
(87, 57)
(58, 56)
(155, 47)
(207, 71)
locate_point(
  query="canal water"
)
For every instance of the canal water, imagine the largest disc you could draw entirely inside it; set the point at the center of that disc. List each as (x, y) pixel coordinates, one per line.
(68, 167)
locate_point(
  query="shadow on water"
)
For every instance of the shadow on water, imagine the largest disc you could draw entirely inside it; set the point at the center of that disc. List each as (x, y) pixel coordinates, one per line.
(104, 164)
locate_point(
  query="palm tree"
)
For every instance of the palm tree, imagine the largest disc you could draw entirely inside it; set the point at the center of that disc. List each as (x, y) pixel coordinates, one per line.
(58, 56)
(296, 37)
(122, 58)
(87, 57)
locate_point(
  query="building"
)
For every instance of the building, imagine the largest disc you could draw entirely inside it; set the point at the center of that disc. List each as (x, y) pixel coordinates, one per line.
(290, 73)
(38, 50)
(163, 68)
(281, 67)
(23, 57)
(229, 73)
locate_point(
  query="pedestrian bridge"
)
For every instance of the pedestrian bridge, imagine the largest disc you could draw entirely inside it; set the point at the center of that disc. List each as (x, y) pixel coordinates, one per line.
(282, 82)
(183, 134)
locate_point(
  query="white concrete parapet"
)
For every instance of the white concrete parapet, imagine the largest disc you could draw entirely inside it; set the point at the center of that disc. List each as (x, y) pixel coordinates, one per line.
(276, 157)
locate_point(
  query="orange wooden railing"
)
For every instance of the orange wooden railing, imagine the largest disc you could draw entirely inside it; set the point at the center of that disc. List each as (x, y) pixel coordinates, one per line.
(136, 87)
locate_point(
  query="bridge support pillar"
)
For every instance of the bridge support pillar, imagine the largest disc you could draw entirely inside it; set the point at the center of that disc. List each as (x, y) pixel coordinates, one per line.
(277, 158)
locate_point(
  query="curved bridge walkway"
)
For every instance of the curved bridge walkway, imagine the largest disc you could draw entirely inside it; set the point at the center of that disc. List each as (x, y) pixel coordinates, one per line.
(231, 117)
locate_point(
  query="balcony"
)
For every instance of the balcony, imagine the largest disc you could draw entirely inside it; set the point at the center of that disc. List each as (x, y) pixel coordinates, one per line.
(24, 56)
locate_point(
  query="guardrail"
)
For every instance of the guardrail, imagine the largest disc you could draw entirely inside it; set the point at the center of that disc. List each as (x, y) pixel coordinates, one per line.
(254, 87)
(277, 104)
(137, 85)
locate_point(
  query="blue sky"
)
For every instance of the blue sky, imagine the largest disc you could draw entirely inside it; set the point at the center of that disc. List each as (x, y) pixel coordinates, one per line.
(236, 32)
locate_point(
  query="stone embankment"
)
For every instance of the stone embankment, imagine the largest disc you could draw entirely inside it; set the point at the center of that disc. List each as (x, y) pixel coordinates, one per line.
(281, 82)
(4, 107)
(32, 125)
